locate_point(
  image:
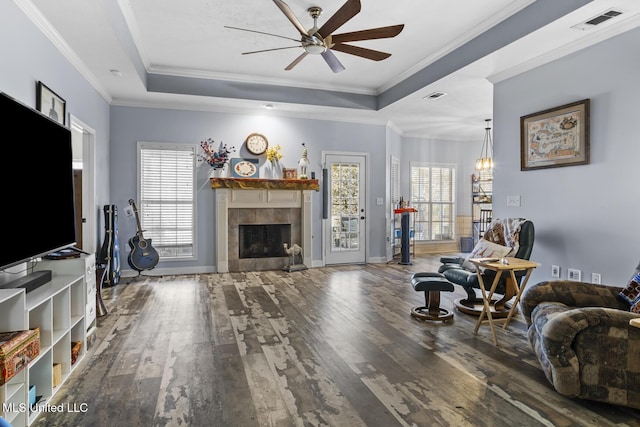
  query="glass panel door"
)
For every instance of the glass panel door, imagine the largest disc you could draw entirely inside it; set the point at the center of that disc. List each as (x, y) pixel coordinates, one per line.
(345, 240)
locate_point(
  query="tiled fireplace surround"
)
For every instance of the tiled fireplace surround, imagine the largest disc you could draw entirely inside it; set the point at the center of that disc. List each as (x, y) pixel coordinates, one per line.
(235, 206)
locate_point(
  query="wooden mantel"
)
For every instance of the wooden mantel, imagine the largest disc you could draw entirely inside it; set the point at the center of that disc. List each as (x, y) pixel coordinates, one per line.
(269, 184)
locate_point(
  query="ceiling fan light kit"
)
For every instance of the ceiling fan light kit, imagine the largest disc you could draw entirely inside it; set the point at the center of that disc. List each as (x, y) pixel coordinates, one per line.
(314, 45)
(322, 41)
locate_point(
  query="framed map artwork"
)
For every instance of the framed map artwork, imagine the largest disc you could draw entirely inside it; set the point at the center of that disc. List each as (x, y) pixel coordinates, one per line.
(555, 137)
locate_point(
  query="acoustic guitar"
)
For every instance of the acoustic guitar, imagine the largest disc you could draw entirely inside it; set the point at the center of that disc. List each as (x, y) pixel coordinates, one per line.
(110, 251)
(143, 256)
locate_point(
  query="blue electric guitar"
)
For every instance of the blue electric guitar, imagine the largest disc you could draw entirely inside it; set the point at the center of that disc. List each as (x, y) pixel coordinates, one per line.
(143, 256)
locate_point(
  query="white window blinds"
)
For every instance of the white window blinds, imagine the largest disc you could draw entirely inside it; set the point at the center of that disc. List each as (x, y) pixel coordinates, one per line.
(395, 182)
(433, 194)
(167, 198)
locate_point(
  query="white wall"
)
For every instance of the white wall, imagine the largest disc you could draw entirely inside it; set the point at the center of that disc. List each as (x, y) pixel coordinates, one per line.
(586, 217)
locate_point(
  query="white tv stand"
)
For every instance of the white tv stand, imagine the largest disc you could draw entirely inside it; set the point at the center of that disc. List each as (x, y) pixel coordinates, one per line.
(59, 309)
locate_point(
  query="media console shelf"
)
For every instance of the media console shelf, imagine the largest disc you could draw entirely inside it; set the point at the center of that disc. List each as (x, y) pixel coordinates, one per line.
(84, 265)
(58, 308)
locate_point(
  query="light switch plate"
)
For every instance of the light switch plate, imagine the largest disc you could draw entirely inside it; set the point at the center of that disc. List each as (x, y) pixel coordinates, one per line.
(513, 201)
(379, 201)
(128, 211)
(573, 274)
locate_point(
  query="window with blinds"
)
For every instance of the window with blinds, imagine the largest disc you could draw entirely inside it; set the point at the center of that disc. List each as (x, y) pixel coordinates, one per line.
(166, 202)
(433, 191)
(395, 182)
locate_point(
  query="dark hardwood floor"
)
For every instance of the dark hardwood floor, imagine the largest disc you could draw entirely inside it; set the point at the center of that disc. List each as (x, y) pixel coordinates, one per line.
(331, 346)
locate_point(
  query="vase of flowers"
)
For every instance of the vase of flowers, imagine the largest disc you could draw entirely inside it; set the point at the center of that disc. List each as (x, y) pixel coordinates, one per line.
(273, 156)
(216, 157)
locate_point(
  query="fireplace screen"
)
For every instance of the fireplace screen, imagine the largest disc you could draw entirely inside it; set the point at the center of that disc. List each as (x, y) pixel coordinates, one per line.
(264, 240)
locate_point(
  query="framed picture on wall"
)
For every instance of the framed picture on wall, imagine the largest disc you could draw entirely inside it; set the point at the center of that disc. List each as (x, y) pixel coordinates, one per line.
(555, 137)
(289, 173)
(50, 103)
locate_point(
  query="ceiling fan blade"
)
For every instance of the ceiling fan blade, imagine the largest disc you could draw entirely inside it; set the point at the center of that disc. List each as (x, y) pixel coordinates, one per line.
(370, 34)
(269, 50)
(296, 61)
(289, 14)
(333, 62)
(262, 32)
(374, 55)
(346, 12)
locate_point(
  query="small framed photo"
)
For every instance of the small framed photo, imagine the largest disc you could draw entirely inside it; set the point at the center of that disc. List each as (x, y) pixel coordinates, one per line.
(244, 168)
(289, 173)
(555, 137)
(50, 103)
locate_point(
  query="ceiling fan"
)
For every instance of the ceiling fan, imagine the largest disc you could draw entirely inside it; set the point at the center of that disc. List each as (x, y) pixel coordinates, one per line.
(321, 41)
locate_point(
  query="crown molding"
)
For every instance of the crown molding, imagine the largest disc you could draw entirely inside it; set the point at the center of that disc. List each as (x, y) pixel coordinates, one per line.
(54, 37)
(595, 37)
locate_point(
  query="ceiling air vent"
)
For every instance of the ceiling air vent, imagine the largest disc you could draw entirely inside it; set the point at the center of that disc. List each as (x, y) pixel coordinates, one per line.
(435, 95)
(592, 22)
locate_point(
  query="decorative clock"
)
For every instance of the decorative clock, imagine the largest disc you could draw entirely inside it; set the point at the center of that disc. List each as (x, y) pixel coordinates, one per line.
(256, 143)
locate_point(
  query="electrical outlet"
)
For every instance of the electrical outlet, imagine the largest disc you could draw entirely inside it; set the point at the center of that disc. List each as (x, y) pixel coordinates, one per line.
(596, 278)
(573, 274)
(555, 271)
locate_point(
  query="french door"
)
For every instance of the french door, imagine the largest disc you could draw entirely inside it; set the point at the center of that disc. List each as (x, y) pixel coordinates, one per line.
(345, 236)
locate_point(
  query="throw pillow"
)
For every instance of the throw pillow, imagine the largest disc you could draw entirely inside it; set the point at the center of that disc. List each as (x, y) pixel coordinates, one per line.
(631, 294)
(485, 249)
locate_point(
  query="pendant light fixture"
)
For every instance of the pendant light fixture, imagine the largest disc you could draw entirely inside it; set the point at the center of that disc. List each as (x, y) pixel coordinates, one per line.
(485, 162)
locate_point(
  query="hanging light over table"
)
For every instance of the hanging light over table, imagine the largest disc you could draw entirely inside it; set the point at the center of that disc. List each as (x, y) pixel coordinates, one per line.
(485, 162)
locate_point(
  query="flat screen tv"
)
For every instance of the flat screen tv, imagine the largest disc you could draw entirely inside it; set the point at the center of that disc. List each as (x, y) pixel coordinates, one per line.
(36, 181)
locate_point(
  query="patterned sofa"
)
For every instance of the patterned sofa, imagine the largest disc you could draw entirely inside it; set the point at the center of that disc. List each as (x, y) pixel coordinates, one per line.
(581, 335)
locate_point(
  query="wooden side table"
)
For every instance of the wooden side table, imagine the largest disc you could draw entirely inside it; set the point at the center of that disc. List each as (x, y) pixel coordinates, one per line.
(511, 265)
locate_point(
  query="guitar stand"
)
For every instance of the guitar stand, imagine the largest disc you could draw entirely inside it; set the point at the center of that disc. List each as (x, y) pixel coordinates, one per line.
(135, 278)
(101, 309)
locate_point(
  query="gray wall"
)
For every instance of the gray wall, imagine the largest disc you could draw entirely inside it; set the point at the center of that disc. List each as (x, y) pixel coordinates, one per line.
(28, 56)
(586, 217)
(462, 154)
(130, 125)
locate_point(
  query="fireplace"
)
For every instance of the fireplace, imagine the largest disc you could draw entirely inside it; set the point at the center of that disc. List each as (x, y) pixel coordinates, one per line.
(253, 224)
(263, 240)
(236, 207)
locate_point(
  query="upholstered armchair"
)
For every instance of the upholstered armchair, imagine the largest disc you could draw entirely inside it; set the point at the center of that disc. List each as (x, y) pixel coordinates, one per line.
(514, 234)
(581, 335)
